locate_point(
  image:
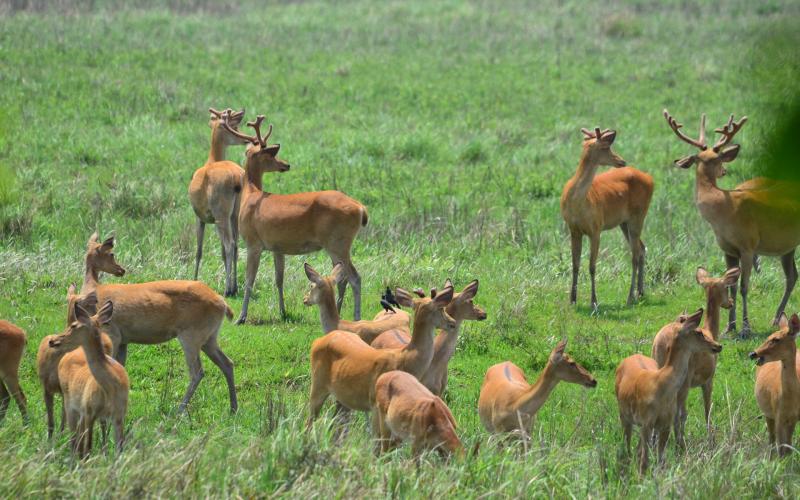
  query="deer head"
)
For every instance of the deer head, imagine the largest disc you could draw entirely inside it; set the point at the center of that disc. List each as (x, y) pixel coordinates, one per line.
(709, 160)
(83, 326)
(462, 307)
(322, 286)
(100, 256)
(717, 288)
(567, 369)
(433, 307)
(597, 148)
(691, 337)
(259, 155)
(220, 133)
(781, 344)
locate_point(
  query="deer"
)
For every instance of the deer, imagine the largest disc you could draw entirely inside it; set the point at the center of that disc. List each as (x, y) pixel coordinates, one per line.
(758, 217)
(214, 193)
(407, 410)
(647, 395)
(293, 224)
(12, 348)
(344, 365)
(702, 365)
(461, 308)
(592, 203)
(508, 403)
(778, 384)
(322, 294)
(96, 389)
(159, 311)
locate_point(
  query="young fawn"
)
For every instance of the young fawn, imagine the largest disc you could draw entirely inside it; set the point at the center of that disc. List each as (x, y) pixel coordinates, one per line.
(96, 390)
(647, 394)
(12, 347)
(592, 203)
(461, 308)
(343, 365)
(508, 403)
(702, 365)
(406, 410)
(778, 383)
(322, 293)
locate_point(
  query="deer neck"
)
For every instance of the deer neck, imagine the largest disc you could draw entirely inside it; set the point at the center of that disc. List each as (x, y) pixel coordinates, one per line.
(708, 197)
(711, 323)
(328, 313)
(97, 360)
(417, 355)
(254, 177)
(587, 168)
(536, 395)
(217, 151)
(90, 279)
(790, 385)
(673, 374)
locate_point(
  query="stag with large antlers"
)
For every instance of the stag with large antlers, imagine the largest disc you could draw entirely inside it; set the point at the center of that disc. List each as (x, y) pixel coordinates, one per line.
(214, 193)
(758, 217)
(592, 203)
(293, 224)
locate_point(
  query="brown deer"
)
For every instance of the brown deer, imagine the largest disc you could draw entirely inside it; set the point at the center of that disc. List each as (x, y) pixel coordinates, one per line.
(647, 394)
(758, 217)
(214, 193)
(322, 293)
(94, 390)
(344, 365)
(406, 410)
(592, 203)
(508, 403)
(702, 365)
(461, 308)
(159, 311)
(778, 383)
(12, 347)
(293, 224)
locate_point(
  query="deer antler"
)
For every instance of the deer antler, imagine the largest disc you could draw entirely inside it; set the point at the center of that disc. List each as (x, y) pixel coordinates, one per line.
(257, 127)
(675, 126)
(597, 134)
(226, 115)
(728, 131)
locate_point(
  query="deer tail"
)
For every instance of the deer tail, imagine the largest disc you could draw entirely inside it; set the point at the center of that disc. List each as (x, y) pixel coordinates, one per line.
(364, 216)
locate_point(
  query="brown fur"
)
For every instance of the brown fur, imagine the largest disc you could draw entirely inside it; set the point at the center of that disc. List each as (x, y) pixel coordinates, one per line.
(12, 347)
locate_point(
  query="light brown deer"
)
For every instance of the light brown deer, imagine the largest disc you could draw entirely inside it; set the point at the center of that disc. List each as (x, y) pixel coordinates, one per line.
(758, 217)
(508, 403)
(778, 383)
(592, 203)
(647, 394)
(461, 308)
(406, 410)
(94, 390)
(702, 365)
(322, 293)
(214, 193)
(159, 311)
(293, 224)
(344, 365)
(12, 347)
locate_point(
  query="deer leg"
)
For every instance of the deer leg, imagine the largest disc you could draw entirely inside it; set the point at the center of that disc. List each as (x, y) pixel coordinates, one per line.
(731, 262)
(5, 399)
(771, 435)
(576, 241)
(119, 434)
(253, 259)
(122, 354)
(235, 230)
(63, 414)
(663, 437)
(88, 437)
(747, 265)
(280, 266)
(195, 372)
(680, 416)
(201, 229)
(636, 258)
(627, 431)
(355, 283)
(594, 249)
(103, 434)
(317, 399)
(645, 437)
(226, 237)
(640, 268)
(707, 388)
(212, 350)
(51, 420)
(12, 384)
(790, 271)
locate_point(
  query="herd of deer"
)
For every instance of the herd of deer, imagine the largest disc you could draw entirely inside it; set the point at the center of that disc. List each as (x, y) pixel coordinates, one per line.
(397, 368)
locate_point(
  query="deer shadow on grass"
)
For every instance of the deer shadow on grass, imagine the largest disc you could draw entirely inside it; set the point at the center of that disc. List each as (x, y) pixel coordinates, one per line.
(618, 311)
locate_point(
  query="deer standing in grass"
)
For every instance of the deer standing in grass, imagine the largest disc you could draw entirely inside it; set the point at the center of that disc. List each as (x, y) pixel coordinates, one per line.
(508, 403)
(758, 217)
(461, 308)
(322, 293)
(406, 410)
(293, 224)
(12, 347)
(702, 365)
(96, 389)
(159, 311)
(778, 383)
(592, 203)
(214, 194)
(647, 394)
(344, 365)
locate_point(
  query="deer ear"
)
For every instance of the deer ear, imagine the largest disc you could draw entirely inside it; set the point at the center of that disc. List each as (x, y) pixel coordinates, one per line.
(89, 302)
(108, 244)
(312, 275)
(444, 297)
(783, 321)
(685, 162)
(93, 238)
(693, 320)
(608, 137)
(448, 282)
(105, 312)
(729, 154)
(272, 149)
(732, 276)
(470, 291)
(682, 316)
(71, 290)
(81, 314)
(403, 297)
(701, 275)
(338, 273)
(794, 325)
(558, 352)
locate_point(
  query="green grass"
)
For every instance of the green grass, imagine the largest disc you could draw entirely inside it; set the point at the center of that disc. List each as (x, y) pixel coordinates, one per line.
(457, 124)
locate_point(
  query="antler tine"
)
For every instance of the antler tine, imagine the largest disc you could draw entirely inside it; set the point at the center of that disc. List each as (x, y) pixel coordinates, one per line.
(702, 138)
(728, 131)
(225, 117)
(257, 126)
(214, 112)
(675, 126)
(597, 132)
(588, 133)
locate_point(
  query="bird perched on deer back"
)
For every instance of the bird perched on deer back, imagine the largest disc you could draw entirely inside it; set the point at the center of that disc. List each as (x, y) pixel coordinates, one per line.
(388, 300)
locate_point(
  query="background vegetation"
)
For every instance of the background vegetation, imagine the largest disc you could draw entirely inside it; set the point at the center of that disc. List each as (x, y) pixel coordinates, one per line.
(457, 124)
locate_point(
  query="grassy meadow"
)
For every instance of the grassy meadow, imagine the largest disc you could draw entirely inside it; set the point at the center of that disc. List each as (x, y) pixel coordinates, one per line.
(456, 123)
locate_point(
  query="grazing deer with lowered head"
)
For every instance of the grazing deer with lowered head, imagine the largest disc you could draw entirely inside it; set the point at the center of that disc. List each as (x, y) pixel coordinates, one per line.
(508, 403)
(159, 311)
(647, 394)
(592, 203)
(214, 192)
(406, 410)
(344, 365)
(778, 383)
(758, 217)
(293, 224)
(12, 347)
(322, 293)
(702, 365)
(461, 308)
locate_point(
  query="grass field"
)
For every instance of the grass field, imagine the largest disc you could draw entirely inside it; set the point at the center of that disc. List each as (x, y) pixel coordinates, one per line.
(456, 123)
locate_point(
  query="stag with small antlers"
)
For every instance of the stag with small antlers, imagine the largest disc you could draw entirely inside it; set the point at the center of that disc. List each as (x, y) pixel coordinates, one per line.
(293, 224)
(758, 217)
